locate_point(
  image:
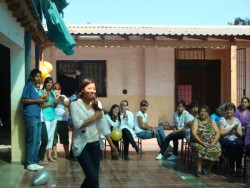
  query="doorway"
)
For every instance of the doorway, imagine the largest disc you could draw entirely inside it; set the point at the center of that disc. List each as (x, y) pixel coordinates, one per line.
(198, 80)
(5, 127)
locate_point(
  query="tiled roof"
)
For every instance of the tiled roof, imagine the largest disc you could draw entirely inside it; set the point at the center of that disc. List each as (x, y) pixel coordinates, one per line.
(93, 29)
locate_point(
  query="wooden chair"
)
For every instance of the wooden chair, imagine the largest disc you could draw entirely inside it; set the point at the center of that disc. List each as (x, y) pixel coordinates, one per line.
(246, 157)
(184, 149)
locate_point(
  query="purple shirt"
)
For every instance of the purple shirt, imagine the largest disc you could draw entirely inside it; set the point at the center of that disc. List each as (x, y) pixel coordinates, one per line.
(244, 120)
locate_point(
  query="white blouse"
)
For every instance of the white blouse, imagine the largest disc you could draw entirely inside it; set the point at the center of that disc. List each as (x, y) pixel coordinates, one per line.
(128, 123)
(111, 123)
(91, 133)
(223, 122)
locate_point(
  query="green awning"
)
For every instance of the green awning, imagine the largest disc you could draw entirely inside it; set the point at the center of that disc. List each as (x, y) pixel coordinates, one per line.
(57, 30)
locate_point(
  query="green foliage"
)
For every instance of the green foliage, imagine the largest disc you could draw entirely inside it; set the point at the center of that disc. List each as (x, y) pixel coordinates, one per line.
(240, 21)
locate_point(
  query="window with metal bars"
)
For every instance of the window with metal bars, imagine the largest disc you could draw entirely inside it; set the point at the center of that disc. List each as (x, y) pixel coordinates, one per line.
(241, 74)
(70, 73)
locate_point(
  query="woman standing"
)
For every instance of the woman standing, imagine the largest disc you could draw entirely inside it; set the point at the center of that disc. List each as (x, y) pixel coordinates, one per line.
(62, 121)
(88, 126)
(127, 125)
(205, 136)
(113, 120)
(231, 133)
(50, 117)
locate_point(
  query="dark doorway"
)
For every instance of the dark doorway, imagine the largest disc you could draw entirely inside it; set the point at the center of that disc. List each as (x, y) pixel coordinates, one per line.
(5, 127)
(198, 80)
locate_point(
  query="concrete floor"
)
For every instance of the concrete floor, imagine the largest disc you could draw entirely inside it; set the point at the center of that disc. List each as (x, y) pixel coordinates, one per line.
(140, 172)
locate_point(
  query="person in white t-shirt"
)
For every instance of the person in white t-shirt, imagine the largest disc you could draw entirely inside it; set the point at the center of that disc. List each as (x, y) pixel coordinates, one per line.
(143, 130)
(62, 122)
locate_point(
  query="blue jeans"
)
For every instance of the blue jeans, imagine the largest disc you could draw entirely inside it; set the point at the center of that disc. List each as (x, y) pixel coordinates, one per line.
(33, 137)
(89, 159)
(147, 134)
(44, 142)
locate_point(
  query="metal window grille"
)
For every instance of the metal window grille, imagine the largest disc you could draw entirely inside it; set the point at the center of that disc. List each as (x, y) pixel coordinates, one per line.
(241, 74)
(70, 73)
(184, 91)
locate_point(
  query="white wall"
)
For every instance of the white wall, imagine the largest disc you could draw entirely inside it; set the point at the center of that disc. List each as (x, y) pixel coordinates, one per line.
(12, 36)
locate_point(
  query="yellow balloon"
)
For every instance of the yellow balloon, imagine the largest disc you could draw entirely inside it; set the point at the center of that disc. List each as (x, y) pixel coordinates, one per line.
(116, 134)
(48, 65)
(44, 71)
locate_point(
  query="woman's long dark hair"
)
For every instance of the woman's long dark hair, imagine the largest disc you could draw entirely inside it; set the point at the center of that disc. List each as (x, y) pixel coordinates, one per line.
(85, 83)
(47, 80)
(110, 113)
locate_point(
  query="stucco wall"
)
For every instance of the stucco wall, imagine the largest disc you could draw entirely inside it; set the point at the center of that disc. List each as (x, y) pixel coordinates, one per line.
(146, 73)
(12, 36)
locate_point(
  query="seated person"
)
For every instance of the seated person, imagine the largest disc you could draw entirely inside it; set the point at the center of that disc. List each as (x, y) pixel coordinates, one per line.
(127, 128)
(231, 133)
(205, 135)
(243, 114)
(193, 108)
(113, 121)
(218, 114)
(247, 140)
(143, 130)
(181, 119)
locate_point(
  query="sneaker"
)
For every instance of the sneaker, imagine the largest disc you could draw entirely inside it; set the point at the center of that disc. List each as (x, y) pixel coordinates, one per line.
(172, 158)
(71, 158)
(159, 156)
(238, 173)
(31, 167)
(205, 171)
(197, 173)
(39, 167)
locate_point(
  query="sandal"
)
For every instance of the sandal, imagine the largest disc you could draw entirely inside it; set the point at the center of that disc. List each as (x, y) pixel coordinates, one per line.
(51, 160)
(114, 156)
(44, 162)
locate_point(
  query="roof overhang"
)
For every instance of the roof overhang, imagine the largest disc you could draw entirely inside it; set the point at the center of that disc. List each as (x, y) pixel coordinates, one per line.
(91, 35)
(26, 14)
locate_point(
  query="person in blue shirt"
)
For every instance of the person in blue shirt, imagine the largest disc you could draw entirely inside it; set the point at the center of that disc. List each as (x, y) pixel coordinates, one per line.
(218, 113)
(32, 120)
